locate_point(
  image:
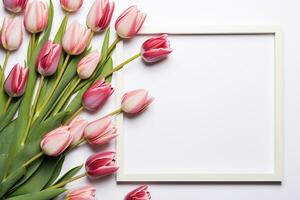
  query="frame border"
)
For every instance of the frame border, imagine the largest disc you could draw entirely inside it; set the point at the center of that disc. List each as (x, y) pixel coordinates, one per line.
(277, 175)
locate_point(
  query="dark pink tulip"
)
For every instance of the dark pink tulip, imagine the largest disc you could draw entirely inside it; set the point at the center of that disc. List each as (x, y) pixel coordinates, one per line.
(130, 22)
(100, 132)
(83, 193)
(48, 58)
(15, 6)
(11, 33)
(140, 193)
(156, 48)
(135, 101)
(97, 95)
(71, 5)
(16, 81)
(100, 15)
(101, 164)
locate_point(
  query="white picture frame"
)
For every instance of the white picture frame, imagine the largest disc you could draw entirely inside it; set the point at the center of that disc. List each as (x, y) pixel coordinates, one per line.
(277, 174)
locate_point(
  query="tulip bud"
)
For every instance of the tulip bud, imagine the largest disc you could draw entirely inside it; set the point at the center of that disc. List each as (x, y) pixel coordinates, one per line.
(16, 81)
(76, 128)
(101, 164)
(129, 22)
(48, 58)
(71, 5)
(100, 132)
(56, 141)
(83, 193)
(36, 16)
(100, 15)
(88, 64)
(156, 48)
(11, 33)
(96, 95)
(15, 6)
(75, 38)
(140, 193)
(135, 101)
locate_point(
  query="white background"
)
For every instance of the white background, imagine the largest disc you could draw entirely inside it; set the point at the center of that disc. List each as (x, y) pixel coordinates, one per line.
(216, 12)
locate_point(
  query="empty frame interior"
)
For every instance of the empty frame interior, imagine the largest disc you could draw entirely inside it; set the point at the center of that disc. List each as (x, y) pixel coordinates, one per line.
(216, 111)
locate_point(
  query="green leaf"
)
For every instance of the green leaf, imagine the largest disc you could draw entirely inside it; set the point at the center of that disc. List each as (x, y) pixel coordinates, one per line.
(6, 137)
(56, 172)
(6, 118)
(3, 96)
(72, 172)
(61, 30)
(3, 158)
(41, 195)
(106, 69)
(105, 44)
(11, 180)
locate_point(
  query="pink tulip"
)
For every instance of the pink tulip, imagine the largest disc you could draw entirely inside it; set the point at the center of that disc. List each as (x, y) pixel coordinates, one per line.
(48, 58)
(135, 101)
(36, 16)
(83, 193)
(100, 132)
(71, 5)
(140, 193)
(97, 95)
(75, 38)
(16, 81)
(15, 6)
(100, 15)
(11, 33)
(101, 164)
(129, 22)
(76, 128)
(88, 64)
(156, 48)
(57, 141)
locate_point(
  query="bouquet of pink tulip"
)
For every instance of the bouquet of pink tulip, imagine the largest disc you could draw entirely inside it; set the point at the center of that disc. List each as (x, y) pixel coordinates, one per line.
(40, 101)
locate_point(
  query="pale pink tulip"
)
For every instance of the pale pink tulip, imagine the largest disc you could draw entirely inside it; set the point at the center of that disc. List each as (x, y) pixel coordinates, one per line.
(101, 164)
(100, 15)
(97, 95)
(140, 193)
(16, 81)
(88, 64)
(156, 48)
(76, 128)
(129, 22)
(75, 38)
(48, 58)
(15, 6)
(71, 5)
(83, 193)
(100, 132)
(36, 16)
(135, 101)
(11, 33)
(57, 141)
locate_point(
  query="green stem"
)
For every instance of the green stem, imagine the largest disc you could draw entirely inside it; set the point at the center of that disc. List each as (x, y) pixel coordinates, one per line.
(120, 66)
(115, 112)
(7, 104)
(53, 88)
(5, 61)
(74, 115)
(62, 184)
(33, 43)
(37, 156)
(113, 45)
(90, 39)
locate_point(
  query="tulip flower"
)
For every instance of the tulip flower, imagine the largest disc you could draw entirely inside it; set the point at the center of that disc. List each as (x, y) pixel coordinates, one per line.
(96, 95)
(129, 22)
(100, 132)
(88, 64)
(15, 6)
(16, 81)
(135, 101)
(75, 38)
(156, 48)
(100, 15)
(36, 16)
(71, 5)
(83, 193)
(140, 193)
(101, 164)
(48, 58)
(56, 142)
(11, 34)
(76, 128)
